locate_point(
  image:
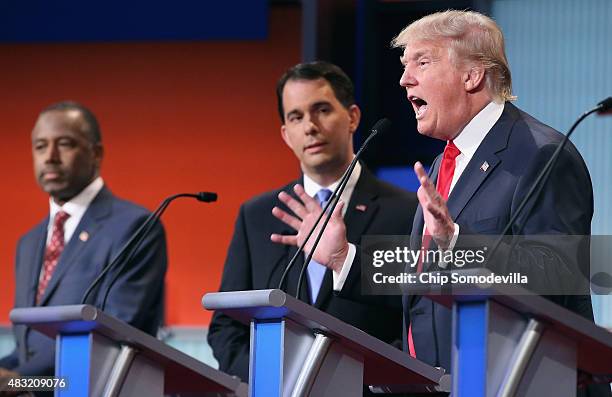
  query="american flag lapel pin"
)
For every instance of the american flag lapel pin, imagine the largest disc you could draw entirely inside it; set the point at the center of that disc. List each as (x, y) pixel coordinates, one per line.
(484, 167)
(361, 207)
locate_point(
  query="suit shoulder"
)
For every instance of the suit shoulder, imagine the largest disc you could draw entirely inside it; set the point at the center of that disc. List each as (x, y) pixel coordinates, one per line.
(128, 208)
(33, 233)
(536, 136)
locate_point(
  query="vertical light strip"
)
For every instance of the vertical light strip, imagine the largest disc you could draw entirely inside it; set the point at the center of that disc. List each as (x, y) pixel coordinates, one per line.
(560, 54)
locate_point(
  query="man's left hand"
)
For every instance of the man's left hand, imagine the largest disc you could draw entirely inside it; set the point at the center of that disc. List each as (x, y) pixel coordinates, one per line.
(438, 221)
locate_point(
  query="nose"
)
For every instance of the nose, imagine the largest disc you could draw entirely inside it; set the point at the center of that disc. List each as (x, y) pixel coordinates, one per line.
(407, 79)
(310, 125)
(52, 154)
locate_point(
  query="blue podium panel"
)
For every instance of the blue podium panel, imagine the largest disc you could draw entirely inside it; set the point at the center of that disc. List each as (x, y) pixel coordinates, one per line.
(99, 355)
(470, 345)
(266, 352)
(72, 363)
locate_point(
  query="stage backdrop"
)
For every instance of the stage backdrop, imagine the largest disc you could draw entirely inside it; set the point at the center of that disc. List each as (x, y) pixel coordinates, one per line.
(175, 117)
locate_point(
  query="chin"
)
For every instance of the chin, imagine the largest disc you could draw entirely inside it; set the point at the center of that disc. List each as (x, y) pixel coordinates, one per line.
(425, 131)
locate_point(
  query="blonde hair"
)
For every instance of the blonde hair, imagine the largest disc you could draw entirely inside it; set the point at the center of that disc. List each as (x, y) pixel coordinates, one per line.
(472, 37)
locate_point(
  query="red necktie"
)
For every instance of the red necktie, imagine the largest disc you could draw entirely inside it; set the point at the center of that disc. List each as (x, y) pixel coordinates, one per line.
(52, 253)
(445, 178)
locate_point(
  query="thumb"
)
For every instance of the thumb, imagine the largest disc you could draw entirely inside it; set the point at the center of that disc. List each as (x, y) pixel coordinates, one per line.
(338, 210)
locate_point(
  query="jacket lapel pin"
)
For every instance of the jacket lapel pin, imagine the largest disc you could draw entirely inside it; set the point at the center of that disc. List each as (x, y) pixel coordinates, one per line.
(84, 236)
(361, 207)
(484, 167)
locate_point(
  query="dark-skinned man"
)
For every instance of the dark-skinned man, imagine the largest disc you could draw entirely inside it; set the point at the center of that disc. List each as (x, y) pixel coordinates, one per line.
(86, 227)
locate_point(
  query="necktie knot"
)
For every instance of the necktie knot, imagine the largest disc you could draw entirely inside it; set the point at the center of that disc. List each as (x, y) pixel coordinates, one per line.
(60, 218)
(451, 151)
(323, 196)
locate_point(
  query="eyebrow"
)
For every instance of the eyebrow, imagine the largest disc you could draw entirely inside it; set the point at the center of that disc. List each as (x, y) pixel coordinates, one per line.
(293, 113)
(319, 104)
(414, 57)
(312, 106)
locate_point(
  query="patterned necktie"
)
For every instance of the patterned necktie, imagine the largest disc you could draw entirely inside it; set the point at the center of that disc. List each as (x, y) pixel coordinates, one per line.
(52, 253)
(445, 178)
(316, 271)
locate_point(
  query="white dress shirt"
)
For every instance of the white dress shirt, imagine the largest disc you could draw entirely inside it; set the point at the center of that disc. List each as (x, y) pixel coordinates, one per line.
(467, 141)
(76, 207)
(312, 188)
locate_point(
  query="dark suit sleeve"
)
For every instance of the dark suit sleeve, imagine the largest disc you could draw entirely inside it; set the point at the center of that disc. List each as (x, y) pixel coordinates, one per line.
(352, 288)
(137, 295)
(10, 361)
(229, 338)
(43, 361)
(553, 250)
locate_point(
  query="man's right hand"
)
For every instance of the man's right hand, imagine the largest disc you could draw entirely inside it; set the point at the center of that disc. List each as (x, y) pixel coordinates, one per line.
(333, 247)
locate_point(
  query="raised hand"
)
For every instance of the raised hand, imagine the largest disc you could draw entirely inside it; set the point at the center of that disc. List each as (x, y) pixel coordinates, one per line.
(438, 221)
(333, 247)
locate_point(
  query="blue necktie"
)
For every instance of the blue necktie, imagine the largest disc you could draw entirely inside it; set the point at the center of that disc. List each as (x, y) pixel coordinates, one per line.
(316, 271)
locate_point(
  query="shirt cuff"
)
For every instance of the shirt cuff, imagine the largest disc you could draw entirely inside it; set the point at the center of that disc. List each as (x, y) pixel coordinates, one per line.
(444, 262)
(340, 278)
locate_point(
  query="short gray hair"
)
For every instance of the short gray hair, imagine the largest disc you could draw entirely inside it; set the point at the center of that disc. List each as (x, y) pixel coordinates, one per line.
(472, 37)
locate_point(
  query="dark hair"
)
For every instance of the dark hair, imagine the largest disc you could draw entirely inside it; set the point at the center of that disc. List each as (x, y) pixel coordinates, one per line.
(92, 128)
(337, 79)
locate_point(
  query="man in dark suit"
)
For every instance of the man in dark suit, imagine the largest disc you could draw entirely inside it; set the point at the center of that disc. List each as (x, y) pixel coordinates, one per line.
(86, 227)
(319, 116)
(458, 82)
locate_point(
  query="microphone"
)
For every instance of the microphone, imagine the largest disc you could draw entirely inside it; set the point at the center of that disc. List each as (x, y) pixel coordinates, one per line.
(542, 178)
(605, 106)
(128, 250)
(380, 126)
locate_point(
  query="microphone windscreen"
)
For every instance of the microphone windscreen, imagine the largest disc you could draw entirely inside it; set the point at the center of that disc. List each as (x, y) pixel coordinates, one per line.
(207, 197)
(382, 125)
(605, 106)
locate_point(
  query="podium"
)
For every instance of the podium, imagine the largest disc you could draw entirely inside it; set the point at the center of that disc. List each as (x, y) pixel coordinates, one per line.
(298, 350)
(508, 341)
(99, 355)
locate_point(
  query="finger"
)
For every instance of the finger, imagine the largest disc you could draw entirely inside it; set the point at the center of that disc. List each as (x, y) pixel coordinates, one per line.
(424, 180)
(311, 204)
(294, 205)
(280, 239)
(290, 220)
(436, 211)
(419, 170)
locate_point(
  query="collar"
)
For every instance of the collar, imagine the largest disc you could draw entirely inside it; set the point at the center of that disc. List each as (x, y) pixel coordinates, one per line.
(77, 206)
(477, 129)
(311, 187)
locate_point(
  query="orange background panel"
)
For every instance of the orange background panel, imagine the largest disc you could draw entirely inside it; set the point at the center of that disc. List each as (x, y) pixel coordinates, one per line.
(175, 117)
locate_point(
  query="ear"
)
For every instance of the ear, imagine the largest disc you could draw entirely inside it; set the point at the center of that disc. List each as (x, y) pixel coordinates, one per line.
(474, 77)
(285, 135)
(98, 151)
(354, 117)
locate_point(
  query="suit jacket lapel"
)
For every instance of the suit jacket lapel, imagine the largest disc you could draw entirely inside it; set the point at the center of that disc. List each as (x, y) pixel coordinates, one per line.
(473, 176)
(34, 259)
(99, 208)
